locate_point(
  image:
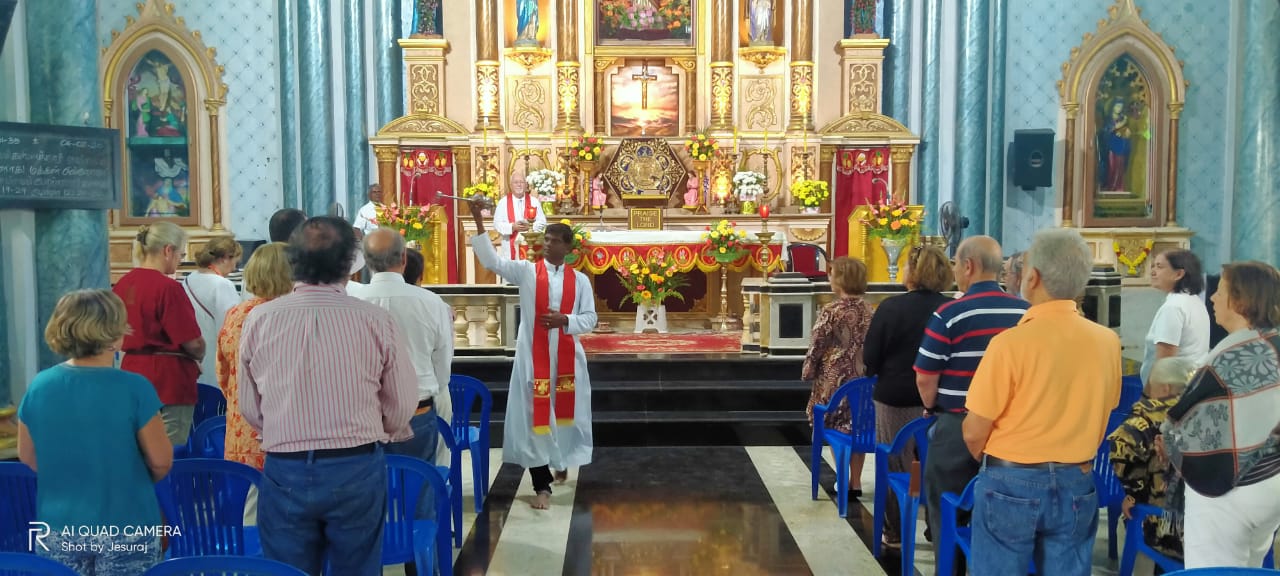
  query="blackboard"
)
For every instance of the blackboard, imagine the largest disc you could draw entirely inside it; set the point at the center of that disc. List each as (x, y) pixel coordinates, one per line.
(44, 166)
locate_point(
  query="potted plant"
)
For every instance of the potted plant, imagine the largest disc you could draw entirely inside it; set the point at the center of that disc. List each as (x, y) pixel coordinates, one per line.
(895, 225)
(749, 187)
(650, 281)
(810, 194)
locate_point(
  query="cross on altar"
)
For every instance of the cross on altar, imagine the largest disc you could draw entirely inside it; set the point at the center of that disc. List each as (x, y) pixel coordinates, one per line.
(644, 77)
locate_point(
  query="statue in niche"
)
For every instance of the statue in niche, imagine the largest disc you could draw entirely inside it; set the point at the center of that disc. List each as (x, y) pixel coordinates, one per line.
(760, 15)
(693, 189)
(862, 18)
(526, 23)
(428, 19)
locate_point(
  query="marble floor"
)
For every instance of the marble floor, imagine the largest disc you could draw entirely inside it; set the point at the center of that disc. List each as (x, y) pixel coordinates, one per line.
(683, 511)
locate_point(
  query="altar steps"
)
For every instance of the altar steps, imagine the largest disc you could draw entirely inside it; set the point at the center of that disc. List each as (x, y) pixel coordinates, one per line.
(679, 400)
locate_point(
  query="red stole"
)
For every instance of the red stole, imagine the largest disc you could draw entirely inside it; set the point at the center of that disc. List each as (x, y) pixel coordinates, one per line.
(566, 361)
(511, 218)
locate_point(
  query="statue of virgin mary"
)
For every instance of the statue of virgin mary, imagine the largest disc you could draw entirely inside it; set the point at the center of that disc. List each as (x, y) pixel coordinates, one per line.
(527, 23)
(760, 15)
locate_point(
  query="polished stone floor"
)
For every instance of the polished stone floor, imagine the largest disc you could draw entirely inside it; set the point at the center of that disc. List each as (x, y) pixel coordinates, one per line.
(682, 511)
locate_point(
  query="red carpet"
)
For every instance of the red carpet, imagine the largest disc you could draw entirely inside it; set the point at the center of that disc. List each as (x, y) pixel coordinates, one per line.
(629, 343)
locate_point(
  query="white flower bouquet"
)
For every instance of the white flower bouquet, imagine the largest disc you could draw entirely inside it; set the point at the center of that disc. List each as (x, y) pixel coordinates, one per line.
(749, 186)
(544, 183)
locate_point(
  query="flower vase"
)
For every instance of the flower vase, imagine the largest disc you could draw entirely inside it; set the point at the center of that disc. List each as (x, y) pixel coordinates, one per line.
(651, 317)
(749, 207)
(811, 209)
(893, 250)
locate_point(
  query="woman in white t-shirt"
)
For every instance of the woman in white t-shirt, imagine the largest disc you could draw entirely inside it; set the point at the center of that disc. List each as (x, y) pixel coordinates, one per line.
(1181, 325)
(212, 294)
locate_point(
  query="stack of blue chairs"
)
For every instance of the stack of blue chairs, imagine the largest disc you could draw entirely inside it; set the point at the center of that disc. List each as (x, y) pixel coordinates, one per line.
(406, 538)
(205, 498)
(17, 505)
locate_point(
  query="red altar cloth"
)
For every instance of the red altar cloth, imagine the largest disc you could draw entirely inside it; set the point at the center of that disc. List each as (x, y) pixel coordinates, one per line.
(619, 249)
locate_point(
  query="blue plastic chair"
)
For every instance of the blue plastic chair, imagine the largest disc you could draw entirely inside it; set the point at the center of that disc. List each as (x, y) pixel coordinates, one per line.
(862, 436)
(1110, 492)
(454, 474)
(955, 535)
(209, 403)
(17, 505)
(25, 564)
(1135, 542)
(464, 392)
(405, 538)
(900, 484)
(205, 499)
(1223, 572)
(1130, 392)
(210, 438)
(222, 566)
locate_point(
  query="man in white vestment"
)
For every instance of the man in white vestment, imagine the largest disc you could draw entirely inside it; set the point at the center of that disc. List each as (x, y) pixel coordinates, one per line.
(367, 218)
(548, 419)
(510, 217)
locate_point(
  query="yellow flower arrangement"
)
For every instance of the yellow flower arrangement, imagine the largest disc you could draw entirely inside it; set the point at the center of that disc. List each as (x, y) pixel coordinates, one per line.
(587, 148)
(810, 193)
(892, 220)
(701, 147)
(413, 222)
(486, 188)
(651, 281)
(725, 242)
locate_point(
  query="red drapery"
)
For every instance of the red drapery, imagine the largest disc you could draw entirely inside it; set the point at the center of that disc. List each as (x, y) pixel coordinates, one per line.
(425, 173)
(862, 177)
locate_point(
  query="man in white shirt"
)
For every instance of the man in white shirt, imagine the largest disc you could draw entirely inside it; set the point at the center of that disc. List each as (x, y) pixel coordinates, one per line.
(367, 217)
(509, 217)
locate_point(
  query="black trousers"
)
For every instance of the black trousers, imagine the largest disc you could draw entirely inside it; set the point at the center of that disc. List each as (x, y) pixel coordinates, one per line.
(541, 476)
(949, 468)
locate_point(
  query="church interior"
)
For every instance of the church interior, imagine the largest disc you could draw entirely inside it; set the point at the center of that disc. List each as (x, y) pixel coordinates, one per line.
(712, 159)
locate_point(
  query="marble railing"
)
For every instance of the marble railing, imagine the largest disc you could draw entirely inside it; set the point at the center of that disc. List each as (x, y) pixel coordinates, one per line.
(485, 317)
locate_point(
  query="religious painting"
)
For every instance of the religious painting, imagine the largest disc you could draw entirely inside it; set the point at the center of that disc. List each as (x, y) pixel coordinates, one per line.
(645, 100)
(863, 18)
(157, 146)
(645, 22)
(1122, 121)
(527, 22)
(428, 18)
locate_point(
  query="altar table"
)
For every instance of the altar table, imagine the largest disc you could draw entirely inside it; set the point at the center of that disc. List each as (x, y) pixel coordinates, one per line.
(614, 249)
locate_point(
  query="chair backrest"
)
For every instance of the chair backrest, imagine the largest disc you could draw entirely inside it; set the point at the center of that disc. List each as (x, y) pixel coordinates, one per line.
(209, 403)
(917, 430)
(464, 392)
(222, 565)
(17, 505)
(210, 438)
(1222, 572)
(20, 564)
(1104, 476)
(966, 497)
(205, 498)
(1130, 392)
(806, 258)
(861, 408)
(406, 478)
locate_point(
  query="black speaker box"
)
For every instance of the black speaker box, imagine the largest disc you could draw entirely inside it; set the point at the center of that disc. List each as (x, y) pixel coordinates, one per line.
(1031, 162)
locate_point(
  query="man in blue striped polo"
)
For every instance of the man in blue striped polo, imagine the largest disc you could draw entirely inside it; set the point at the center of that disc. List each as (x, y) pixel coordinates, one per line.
(953, 344)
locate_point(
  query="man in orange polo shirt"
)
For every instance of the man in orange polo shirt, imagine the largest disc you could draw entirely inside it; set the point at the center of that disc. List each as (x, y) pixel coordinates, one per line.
(1038, 408)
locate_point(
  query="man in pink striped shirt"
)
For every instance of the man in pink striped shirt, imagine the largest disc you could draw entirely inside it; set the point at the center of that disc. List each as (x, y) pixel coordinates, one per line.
(326, 380)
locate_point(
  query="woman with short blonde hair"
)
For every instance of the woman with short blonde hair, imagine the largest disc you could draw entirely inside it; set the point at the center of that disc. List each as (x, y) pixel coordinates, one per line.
(96, 439)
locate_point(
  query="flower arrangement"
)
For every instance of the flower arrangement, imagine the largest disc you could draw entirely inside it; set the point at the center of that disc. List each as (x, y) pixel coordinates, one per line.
(892, 220)
(651, 281)
(581, 238)
(1132, 263)
(485, 188)
(748, 185)
(544, 183)
(725, 242)
(810, 193)
(413, 222)
(623, 14)
(701, 147)
(587, 148)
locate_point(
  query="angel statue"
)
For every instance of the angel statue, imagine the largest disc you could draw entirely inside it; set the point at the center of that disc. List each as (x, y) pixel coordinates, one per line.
(760, 14)
(527, 23)
(693, 189)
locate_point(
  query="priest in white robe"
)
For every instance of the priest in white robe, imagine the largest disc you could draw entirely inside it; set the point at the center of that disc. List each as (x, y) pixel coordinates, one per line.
(511, 217)
(548, 418)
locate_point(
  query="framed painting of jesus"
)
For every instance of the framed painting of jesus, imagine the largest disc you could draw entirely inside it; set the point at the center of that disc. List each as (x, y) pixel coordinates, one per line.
(645, 22)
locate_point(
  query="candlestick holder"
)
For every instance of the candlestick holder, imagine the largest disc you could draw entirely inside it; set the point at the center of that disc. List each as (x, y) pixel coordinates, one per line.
(533, 240)
(765, 237)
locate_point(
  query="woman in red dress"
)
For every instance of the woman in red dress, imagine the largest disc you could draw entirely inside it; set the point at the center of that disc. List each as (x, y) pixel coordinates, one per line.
(165, 345)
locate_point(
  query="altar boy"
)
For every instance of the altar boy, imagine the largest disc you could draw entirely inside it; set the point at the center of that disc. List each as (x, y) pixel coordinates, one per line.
(510, 217)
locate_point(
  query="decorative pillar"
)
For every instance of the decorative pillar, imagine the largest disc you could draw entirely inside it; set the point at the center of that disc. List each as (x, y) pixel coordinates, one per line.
(690, 67)
(602, 64)
(356, 129)
(722, 39)
(70, 245)
(389, 89)
(288, 29)
(898, 85)
(463, 176)
(424, 61)
(1171, 195)
(568, 70)
(315, 79)
(996, 176)
(212, 106)
(801, 66)
(1068, 164)
(972, 57)
(862, 66)
(931, 105)
(487, 65)
(388, 163)
(1257, 179)
(900, 156)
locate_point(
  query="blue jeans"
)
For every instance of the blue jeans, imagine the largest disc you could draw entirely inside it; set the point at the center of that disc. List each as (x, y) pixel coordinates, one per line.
(422, 446)
(1021, 514)
(313, 510)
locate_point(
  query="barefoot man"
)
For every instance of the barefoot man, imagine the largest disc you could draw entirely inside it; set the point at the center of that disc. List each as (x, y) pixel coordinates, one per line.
(548, 421)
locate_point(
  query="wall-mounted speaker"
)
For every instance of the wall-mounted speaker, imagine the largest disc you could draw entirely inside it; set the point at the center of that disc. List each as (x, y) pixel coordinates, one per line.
(1031, 162)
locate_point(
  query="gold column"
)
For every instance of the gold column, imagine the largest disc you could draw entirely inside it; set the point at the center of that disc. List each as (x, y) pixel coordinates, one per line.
(690, 67)
(1068, 164)
(567, 66)
(387, 155)
(215, 152)
(801, 65)
(900, 156)
(424, 63)
(722, 65)
(1171, 199)
(601, 65)
(826, 156)
(487, 65)
(462, 170)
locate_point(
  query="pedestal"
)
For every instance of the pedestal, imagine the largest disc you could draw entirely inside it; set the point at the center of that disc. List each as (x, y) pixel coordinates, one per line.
(651, 318)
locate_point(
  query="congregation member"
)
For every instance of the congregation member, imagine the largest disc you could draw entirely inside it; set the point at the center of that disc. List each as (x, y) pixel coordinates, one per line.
(94, 436)
(267, 276)
(548, 418)
(426, 323)
(954, 342)
(414, 267)
(1013, 274)
(1181, 325)
(283, 223)
(510, 218)
(164, 345)
(835, 355)
(1038, 408)
(1140, 470)
(325, 380)
(212, 294)
(890, 352)
(367, 217)
(1223, 435)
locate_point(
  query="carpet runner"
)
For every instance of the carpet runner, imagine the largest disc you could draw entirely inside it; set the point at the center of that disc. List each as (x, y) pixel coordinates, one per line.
(629, 343)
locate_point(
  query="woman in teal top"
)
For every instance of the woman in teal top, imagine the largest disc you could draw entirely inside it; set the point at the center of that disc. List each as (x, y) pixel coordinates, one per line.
(94, 436)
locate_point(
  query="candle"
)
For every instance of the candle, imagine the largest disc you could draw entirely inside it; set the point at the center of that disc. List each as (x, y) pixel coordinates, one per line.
(766, 139)
(530, 210)
(526, 139)
(486, 136)
(735, 140)
(764, 211)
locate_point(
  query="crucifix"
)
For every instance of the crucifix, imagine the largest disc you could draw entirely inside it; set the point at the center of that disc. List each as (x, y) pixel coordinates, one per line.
(644, 77)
